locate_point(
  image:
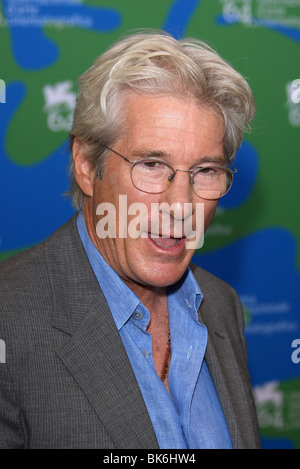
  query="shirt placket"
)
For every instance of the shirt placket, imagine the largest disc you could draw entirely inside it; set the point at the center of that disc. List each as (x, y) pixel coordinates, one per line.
(188, 344)
(139, 322)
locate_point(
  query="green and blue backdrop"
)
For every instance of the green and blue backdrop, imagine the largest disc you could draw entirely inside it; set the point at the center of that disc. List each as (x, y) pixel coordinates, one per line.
(253, 242)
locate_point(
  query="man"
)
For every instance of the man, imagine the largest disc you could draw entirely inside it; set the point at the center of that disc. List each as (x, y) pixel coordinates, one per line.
(112, 339)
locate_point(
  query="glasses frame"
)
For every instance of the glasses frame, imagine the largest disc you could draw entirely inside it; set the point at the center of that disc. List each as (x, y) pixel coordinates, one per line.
(171, 178)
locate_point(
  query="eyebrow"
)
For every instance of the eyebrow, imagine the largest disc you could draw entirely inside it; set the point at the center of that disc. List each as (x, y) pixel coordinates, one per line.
(149, 153)
(211, 159)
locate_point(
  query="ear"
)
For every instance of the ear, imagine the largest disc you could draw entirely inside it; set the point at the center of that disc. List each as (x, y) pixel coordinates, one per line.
(83, 171)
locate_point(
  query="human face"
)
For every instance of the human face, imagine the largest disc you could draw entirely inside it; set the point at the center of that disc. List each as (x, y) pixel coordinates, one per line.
(182, 133)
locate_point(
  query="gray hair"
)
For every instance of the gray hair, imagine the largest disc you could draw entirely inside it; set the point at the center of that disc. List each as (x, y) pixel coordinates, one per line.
(152, 63)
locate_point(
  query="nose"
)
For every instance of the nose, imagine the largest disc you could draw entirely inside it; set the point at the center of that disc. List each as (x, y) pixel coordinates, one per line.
(179, 196)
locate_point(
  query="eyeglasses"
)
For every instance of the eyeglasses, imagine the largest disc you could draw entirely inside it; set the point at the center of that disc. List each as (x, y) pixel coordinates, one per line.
(154, 176)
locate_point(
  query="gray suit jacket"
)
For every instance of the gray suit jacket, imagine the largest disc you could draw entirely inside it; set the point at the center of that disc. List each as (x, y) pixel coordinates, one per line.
(67, 381)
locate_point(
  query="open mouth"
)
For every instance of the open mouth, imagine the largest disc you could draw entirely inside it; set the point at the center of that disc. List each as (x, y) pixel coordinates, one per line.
(166, 242)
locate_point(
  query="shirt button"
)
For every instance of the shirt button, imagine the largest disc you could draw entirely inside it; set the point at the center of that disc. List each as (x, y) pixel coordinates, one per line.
(188, 303)
(145, 353)
(137, 315)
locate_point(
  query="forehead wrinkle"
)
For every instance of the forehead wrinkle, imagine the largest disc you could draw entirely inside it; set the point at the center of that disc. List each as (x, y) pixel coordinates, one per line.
(164, 155)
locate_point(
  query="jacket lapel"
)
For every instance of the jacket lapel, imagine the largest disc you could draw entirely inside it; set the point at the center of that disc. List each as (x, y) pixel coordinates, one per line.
(228, 370)
(94, 353)
(97, 360)
(216, 351)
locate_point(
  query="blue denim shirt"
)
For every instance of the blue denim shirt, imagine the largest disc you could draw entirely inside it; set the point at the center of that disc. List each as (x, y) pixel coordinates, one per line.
(190, 416)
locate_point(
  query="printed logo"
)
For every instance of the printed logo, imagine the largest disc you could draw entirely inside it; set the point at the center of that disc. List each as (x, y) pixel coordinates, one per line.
(60, 103)
(278, 408)
(269, 403)
(296, 91)
(265, 13)
(237, 11)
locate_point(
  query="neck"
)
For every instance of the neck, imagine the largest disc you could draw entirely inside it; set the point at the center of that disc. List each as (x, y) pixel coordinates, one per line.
(153, 298)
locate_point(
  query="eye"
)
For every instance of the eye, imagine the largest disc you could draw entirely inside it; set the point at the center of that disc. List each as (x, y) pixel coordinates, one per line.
(150, 163)
(208, 171)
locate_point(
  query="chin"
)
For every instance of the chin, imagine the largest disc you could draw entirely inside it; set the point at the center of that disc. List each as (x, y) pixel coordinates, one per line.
(163, 277)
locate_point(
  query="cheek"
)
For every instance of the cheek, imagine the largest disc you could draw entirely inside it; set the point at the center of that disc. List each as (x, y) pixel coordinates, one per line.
(115, 178)
(209, 212)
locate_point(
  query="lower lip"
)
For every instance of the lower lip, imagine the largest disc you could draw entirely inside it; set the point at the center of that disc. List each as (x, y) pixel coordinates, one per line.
(172, 251)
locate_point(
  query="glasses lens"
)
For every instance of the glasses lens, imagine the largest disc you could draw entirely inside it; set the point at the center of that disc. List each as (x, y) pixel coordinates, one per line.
(151, 176)
(212, 182)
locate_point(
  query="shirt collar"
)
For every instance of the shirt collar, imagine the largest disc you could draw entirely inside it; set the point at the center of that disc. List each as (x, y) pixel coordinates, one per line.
(126, 302)
(186, 292)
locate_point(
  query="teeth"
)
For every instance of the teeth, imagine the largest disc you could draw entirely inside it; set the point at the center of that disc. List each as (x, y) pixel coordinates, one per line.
(162, 245)
(166, 243)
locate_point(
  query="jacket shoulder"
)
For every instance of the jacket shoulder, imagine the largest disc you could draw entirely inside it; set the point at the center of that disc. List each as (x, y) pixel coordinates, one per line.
(24, 276)
(209, 283)
(221, 301)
